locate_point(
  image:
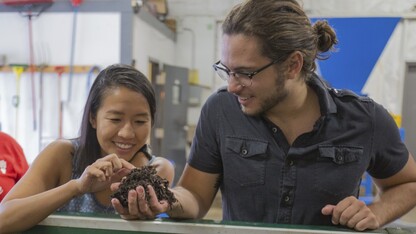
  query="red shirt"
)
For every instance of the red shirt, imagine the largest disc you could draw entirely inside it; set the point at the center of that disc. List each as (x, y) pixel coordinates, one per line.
(13, 163)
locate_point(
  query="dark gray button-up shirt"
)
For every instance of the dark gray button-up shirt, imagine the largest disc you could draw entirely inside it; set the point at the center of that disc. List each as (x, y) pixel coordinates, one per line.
(264, 179)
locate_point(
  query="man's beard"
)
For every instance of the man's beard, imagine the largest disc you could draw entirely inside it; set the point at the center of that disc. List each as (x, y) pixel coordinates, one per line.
(273, 99)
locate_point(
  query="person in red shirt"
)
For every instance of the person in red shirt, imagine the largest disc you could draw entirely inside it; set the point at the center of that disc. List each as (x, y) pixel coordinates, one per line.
(13, 163)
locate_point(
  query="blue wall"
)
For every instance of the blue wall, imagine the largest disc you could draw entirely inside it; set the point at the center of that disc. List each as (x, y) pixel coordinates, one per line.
(361, 42)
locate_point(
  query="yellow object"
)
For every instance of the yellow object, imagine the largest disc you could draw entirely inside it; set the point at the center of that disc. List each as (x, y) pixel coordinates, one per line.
(171, 23)
(193, 77)
(18, 70)
(46, 69)
(158, 6)
(397, 119)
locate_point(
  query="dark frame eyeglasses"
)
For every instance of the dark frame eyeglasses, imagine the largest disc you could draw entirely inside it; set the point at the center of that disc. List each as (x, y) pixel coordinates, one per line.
(244, 78)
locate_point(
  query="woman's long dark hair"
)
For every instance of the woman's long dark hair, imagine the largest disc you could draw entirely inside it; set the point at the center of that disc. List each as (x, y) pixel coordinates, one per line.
(117, 75)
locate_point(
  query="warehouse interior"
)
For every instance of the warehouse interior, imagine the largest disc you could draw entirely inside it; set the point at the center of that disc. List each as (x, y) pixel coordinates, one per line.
(174, 43)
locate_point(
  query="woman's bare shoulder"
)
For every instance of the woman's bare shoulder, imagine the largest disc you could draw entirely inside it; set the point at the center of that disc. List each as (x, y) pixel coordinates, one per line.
(59, 149)
(56, 158)
(164, 168)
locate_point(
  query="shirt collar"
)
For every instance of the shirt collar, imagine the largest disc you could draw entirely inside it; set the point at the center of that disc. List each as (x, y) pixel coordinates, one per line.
(322, 89)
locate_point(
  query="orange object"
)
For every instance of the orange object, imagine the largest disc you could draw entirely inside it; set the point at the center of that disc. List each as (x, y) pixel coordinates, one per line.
(60, 70)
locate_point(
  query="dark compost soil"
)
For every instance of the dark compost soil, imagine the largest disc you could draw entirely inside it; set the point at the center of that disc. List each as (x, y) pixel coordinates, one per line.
(144, 176)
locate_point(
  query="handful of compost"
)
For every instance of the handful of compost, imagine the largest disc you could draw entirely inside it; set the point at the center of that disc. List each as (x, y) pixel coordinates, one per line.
(144, 176)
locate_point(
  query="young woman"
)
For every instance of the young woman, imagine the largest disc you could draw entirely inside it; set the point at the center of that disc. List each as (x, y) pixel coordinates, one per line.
(75, 175)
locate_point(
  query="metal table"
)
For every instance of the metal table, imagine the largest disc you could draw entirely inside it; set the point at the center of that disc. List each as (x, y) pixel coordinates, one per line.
(82, 223)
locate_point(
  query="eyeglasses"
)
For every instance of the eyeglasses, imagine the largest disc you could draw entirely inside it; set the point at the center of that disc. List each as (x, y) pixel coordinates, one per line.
(244, 78)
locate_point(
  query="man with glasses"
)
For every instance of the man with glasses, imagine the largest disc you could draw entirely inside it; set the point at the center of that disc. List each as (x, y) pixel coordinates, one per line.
(282, 146)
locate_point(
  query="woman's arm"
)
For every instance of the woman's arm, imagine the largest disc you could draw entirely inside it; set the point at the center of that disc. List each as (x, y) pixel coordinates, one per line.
(164, 169)
(48, 185)
(45, 187)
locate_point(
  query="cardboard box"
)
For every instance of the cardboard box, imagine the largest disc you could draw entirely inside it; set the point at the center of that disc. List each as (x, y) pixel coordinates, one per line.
(171, 23)
(160, 7)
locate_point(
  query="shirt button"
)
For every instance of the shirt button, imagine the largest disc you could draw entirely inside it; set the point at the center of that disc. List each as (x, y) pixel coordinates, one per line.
(274, 130)
(244, 151)
(287, 199)
(291, 163)
(340, 158)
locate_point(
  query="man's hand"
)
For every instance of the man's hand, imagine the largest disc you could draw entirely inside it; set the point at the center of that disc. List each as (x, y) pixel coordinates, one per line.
(352, 213)
(138, 207)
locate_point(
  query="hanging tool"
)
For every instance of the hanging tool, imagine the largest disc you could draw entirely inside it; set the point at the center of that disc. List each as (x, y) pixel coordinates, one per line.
(41, 71)
(89, 77)
(75, 6)
(59, 70)
(30, 9)
(2, 60)
(24, 2)
(23, 6)
(32, 69)
(43, 58)
(18, 69)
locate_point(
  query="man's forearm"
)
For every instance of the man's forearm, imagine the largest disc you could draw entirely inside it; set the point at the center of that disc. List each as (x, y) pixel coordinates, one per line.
(394, 203)
(187, 205)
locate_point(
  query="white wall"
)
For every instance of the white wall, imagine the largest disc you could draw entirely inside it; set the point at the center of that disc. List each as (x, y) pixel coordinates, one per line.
(201, 29)
(97, 43)
(149, 43)
(385, 83)
(204, 31)
(334, 8)
(219, 8)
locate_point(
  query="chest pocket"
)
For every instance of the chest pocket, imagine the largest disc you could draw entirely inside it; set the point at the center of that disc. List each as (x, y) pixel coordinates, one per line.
(244, 161)
(337, 170)
(340, 155)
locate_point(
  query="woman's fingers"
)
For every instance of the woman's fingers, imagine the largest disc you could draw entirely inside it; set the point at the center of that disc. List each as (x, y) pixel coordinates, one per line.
(115, 186)
(127, 165)
(112, 164)
(103, 171)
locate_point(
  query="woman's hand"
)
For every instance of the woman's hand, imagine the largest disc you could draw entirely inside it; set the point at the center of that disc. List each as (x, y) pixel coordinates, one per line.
(102, 173)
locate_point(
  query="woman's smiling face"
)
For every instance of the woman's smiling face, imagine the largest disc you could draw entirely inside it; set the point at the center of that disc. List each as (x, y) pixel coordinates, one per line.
(123, 122)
